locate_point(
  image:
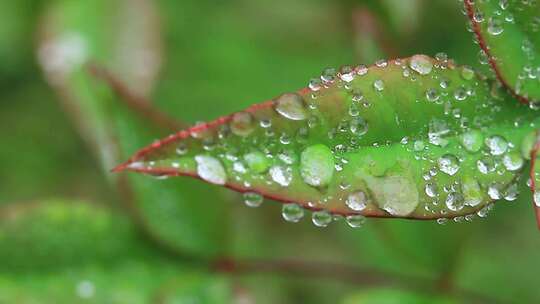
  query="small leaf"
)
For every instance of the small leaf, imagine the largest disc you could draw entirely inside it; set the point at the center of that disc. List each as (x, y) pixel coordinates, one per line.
(56, 233)
(397, 139)
(508, 32)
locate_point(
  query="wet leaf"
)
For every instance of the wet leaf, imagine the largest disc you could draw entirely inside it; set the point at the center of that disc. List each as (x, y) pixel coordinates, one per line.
(412, 138)
(508, 32)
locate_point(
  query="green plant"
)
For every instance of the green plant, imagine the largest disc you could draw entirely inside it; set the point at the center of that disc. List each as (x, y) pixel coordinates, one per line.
(411, 138)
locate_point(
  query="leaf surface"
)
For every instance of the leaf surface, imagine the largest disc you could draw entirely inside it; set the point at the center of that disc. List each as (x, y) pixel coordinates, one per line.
(411, 138)
(508, 32)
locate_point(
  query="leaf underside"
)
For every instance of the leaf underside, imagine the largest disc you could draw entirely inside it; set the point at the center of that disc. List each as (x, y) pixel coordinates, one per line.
(410, 138)
(509, 34)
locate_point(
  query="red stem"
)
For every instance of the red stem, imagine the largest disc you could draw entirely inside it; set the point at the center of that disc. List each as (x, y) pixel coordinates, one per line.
(469, 6)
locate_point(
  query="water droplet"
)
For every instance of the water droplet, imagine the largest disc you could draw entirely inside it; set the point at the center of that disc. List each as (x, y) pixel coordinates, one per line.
(328, 75)
(472, 192)
(494, 192)
(442, 221)
(253, 199)
(536, 197)
(361, 70)
(378, 85)
(291, 106)
(431, 189)
(421, 64)
(321, 218)
(346, 73)
(460, 94)
(495, 26)
(513, 161)
(511, 193)
(397, 195)
(485, 165)
(292, 212)
(454, 201)
(281, 175)
(467, 72)
(317, 165)
(242, 124)
(257, 162)
(355, 221)
(432, 95)
(496, 144)
(314, 84)
(437, 129)
(472, 140)
(357, 201)
(210, 169)
(181, 149)
(358, 126)
(448, 164)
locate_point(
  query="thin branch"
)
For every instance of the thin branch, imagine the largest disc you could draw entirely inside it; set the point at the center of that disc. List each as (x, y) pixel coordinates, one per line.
(138, 104)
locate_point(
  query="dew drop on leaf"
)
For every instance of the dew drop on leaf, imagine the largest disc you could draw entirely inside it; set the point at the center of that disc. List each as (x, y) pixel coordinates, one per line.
(357, 201)
(472, 140)
(496, 144)
(513, 161)
(355, 221)
(292, 212)
(421, 64)
(242, 124)
(210, 169)
(257, 162)
(321, 218)
(291, 106)
(448, 164)
(281, 175)
(317, 165)
(253, 199)
(454, 201)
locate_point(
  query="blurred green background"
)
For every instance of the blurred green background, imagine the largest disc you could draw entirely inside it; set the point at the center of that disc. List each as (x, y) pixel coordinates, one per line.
(71, 232)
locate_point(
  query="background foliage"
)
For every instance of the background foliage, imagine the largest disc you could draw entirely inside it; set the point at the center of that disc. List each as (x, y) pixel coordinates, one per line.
(69, 235)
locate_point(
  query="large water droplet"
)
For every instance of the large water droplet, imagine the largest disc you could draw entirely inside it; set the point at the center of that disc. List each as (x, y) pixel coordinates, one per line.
(472, 140)
(448, 164)
(357, 201)
(513, 161)
(472, 192)
(454, 201)
(292, 212)
(257, 162)
(210, 169)
(497, 144)
(495, 26)
(242, 124)
(378, 85)
(397, 195)
(321, 218)
(317, 165)
(253, 199)
(291, 106)
(281, 175)
(421, 64)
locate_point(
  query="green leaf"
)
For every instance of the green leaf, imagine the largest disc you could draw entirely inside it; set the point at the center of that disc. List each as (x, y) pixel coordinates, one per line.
(127, 281)
(508, 33)
(56, 233)
(394, 296)
(412, 138)
(76, 32)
